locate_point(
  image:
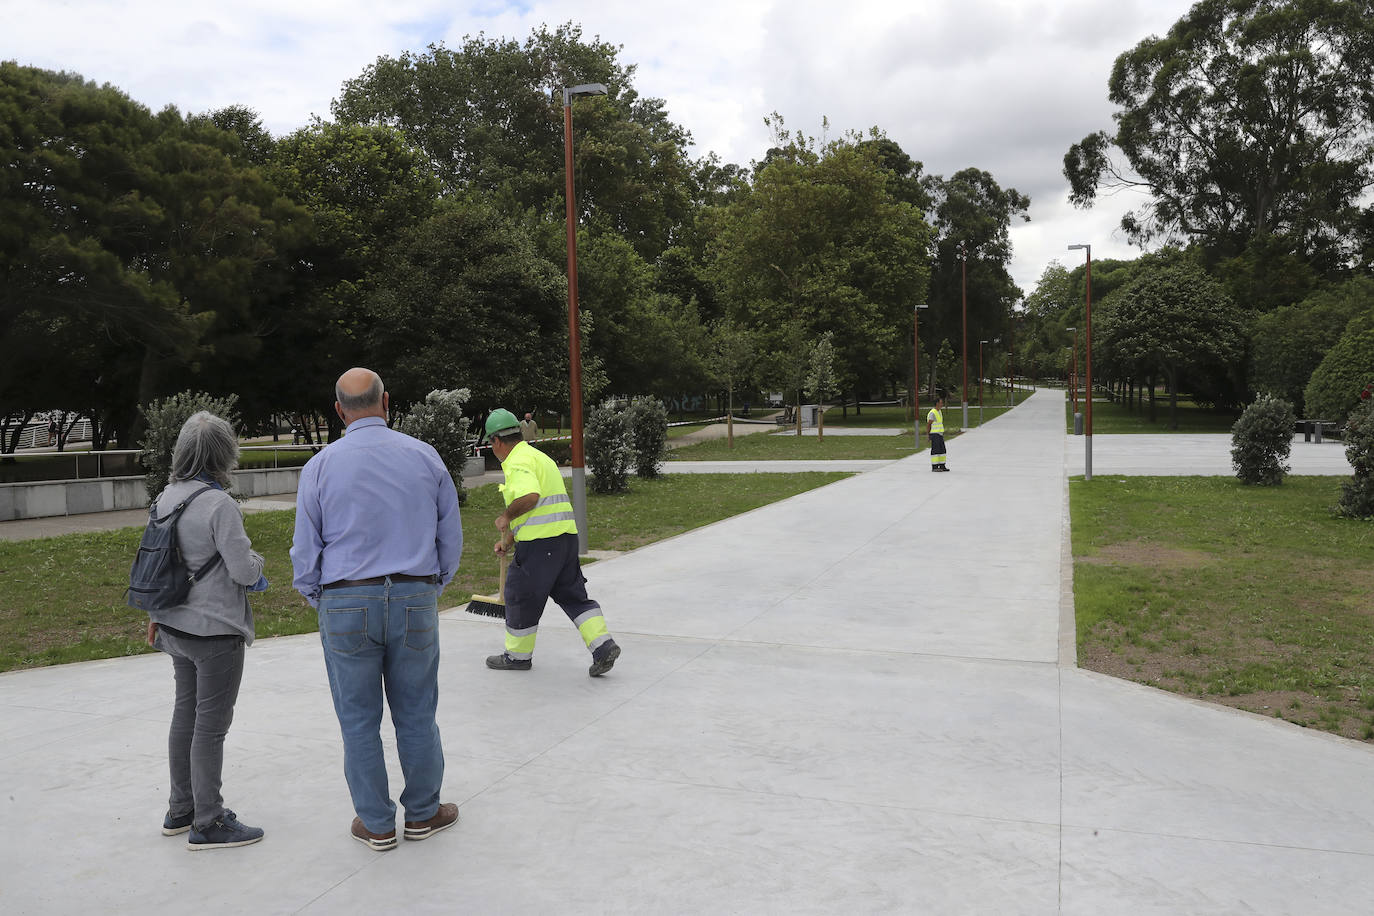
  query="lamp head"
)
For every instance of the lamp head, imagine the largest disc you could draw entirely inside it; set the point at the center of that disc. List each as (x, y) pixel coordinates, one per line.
(1077, 247)
(585, 89)
(923, 306)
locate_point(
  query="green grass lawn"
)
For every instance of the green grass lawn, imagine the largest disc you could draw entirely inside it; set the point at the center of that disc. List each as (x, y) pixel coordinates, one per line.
(787, 445)
(1254, 597)
(1114, 417)
(64, 596)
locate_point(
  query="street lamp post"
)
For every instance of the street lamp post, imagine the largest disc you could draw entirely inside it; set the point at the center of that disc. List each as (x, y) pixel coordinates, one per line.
(1088, 365)
(916, 372)
(963, 297)
(579, 464)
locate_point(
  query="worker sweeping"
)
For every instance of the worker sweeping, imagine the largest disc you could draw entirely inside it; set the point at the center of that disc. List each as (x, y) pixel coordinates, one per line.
(539, 516)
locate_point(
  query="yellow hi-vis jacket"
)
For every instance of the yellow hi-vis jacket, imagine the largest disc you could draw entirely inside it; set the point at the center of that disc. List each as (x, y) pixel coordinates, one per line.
(936, 420)
(529, 470)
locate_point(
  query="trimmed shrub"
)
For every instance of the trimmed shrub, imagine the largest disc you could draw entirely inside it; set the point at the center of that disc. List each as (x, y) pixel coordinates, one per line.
(165, 419)
(1334, 389)
(1261, 441)
(439, 421)
(1357, 493)
(647, 418)
(607, 444)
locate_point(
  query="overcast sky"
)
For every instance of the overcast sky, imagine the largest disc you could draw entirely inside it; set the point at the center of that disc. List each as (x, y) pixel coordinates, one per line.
(1002, 85)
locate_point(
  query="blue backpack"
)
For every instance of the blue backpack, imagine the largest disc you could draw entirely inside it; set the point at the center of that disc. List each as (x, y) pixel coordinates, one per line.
(159, 578)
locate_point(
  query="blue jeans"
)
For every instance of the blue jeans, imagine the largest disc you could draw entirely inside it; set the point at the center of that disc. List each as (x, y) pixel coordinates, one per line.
(376, 637)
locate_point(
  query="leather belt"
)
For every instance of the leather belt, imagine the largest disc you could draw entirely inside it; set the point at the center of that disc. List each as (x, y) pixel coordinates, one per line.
(379, 580)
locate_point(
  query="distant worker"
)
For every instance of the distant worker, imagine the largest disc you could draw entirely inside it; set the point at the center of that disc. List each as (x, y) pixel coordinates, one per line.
(935, 431)
(378, 536)
(529, 430)
(539, 517)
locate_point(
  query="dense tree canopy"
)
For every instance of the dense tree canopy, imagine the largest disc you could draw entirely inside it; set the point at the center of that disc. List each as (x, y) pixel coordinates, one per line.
(1251, 126)
(1169, 320)
(819, 237)
(489, 117)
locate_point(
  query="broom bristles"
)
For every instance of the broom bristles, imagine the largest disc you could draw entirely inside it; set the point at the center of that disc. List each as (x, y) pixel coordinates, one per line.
(487, 606)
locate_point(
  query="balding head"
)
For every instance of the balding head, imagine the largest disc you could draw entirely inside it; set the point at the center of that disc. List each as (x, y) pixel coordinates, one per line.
(358, 393)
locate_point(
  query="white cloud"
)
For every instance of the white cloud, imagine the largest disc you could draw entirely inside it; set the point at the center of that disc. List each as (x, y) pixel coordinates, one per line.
(1001, 85)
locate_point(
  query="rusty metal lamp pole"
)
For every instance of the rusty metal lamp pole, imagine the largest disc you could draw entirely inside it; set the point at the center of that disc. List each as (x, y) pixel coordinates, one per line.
(579, 462)
(916, 372)
(1088, 372)
(963, 295)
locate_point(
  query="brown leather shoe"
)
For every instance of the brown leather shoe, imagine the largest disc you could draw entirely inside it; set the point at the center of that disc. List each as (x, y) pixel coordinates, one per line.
(446, 816)
(378, 841)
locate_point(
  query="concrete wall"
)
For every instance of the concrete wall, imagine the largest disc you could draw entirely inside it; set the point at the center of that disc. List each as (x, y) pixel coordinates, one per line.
(78, 497)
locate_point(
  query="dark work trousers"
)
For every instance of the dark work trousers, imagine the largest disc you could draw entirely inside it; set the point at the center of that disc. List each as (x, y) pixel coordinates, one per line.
(543, 569)
(207, 673)
(937, 450)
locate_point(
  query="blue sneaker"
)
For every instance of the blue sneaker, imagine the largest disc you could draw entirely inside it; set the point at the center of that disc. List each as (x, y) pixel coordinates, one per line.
(223, 832)
(171, 826)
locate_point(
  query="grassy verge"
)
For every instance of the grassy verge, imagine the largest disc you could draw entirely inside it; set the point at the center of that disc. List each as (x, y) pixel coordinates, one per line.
(1113, 417)
(64, 595)
(1253, 597)
(786, 445)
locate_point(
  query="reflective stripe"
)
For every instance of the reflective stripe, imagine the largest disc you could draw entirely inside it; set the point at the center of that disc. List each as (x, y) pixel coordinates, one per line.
(520, 643)
(597, 643)
(593, 629)
(586, 615)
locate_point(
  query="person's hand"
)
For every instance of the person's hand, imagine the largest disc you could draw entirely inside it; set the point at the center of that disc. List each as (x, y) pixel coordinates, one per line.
(502, 523)
(500, 548)
(152, 632)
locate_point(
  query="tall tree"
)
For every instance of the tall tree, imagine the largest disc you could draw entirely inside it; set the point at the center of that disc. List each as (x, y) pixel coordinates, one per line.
(1169, 320)
(1251, 123)
(489, 117)
(973, 214)
(819, 238)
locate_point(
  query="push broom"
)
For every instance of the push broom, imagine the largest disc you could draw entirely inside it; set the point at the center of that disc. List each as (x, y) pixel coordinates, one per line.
(494, 605)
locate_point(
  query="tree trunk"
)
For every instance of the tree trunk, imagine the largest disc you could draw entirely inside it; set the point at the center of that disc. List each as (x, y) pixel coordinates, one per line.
(1173, 400)
(1154, 413)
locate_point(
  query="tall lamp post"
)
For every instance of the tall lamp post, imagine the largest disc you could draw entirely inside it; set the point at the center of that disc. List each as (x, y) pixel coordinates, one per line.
(1088, 365)
(579, 464)
(963, 297)
(916, 372)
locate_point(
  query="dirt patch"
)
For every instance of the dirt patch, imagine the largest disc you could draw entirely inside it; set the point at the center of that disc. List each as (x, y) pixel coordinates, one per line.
(1146, 554)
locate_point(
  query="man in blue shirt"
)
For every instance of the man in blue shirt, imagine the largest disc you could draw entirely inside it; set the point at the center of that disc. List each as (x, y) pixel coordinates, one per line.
(378, 536)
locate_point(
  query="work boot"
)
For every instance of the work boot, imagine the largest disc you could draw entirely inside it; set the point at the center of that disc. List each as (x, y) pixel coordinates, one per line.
(603, 658)
(504, 662)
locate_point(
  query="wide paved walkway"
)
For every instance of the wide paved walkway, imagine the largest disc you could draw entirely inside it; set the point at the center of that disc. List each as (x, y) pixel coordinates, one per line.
(859, 700)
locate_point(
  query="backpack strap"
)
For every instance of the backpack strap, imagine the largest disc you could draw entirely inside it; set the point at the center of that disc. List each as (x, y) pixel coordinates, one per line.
(176, 517)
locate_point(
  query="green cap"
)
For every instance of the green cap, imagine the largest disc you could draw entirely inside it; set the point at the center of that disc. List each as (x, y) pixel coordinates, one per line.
(502, 421)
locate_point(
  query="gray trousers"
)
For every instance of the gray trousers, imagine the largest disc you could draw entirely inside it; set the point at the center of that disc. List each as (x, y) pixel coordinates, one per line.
(208, 673)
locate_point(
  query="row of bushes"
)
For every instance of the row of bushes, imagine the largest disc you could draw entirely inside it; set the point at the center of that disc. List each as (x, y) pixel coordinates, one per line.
(1262, 440)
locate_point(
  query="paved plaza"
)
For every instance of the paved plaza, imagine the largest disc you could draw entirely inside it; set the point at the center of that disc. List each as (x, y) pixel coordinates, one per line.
(862, 699)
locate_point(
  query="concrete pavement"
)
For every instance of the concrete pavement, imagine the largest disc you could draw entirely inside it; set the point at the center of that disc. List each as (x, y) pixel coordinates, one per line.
(858, 700)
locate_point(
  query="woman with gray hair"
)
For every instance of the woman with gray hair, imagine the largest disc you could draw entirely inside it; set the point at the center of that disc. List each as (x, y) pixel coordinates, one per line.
(206, 635)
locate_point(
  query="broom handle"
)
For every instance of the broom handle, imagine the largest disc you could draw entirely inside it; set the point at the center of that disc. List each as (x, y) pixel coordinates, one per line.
(505, 564)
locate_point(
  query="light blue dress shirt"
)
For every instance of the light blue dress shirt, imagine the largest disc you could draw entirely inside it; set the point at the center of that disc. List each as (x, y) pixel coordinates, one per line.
(374, 503)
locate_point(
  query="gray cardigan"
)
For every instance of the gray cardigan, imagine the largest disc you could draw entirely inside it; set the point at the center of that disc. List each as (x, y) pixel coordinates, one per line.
(218, 604)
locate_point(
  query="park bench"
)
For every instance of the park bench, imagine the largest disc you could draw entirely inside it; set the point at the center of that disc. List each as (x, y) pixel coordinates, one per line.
(787, 417)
